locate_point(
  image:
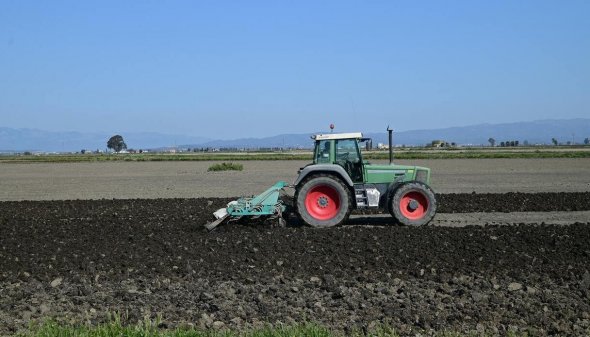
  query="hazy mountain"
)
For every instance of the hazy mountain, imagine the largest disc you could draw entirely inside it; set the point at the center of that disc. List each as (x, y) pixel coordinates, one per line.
(49, 141)
(536, 132)
(285, 140)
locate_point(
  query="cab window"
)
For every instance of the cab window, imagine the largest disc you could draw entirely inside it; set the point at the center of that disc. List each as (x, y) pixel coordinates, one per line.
(322, 152)
(347, 151)
(348, 156)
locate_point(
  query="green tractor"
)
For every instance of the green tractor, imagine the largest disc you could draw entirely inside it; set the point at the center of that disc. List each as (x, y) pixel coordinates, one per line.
(338, 181)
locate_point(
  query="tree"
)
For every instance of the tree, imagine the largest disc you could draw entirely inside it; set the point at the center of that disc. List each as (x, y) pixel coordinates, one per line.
(492, 142)
(116, 143)
(587, 141)
(554, 141)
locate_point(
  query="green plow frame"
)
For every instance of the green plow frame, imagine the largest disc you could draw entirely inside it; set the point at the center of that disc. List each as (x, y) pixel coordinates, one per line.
(264, 204)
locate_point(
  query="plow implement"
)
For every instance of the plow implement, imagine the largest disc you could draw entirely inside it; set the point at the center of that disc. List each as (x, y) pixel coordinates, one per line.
(266, 203)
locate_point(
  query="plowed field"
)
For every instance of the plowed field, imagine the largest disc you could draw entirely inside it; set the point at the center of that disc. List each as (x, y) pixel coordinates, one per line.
(77, 261)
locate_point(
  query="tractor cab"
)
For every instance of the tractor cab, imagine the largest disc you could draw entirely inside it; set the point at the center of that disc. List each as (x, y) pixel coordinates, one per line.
(341, 149)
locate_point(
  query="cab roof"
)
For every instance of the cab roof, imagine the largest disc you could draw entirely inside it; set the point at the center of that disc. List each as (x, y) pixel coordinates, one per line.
(350, 135)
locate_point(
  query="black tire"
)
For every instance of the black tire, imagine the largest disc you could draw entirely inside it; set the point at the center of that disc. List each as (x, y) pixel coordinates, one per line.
(332, 203)
(412, 204)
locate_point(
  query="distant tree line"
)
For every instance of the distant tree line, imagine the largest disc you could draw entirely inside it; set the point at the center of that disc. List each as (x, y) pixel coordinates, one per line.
(511, 143)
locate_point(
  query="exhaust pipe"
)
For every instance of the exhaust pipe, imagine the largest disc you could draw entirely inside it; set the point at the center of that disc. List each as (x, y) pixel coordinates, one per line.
(390, 131)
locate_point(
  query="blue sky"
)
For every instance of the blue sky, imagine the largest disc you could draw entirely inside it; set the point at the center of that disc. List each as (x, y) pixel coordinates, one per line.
(229, 69)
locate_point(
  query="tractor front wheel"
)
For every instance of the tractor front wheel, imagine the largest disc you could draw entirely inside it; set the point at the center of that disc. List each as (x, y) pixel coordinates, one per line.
(323, 201)
(413, 204)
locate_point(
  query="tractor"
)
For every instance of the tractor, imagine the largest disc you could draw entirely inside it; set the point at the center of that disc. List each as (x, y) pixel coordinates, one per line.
(338, 181)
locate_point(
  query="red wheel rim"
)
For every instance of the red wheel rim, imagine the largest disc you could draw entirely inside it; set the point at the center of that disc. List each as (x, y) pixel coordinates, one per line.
(322, 202)
(414, 205)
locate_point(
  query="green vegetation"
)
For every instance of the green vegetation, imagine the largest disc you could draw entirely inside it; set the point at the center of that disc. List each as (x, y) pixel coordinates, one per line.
(404, 153)
(226, 167)
(154, 329)
(75, 158)
(450, 154)
(150, 328)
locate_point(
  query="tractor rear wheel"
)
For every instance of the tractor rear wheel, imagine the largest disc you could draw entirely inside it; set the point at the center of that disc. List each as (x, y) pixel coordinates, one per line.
(323, 201)
(413, 204)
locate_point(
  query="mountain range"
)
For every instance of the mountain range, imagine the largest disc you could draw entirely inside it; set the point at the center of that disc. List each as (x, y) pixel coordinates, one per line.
(533, 132)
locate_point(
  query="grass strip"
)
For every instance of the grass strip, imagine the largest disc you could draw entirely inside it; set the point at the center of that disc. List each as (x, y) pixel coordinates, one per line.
(150, 328)
(226, 167)
(411, 154)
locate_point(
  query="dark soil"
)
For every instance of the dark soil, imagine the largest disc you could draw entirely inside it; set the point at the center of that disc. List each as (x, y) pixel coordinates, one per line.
(77, 261)
(513, 202)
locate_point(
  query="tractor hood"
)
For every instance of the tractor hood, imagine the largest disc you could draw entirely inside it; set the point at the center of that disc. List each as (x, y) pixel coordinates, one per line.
(388, 173)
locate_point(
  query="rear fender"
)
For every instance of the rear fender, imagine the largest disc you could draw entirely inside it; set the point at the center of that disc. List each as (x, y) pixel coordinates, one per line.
(336, 170)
